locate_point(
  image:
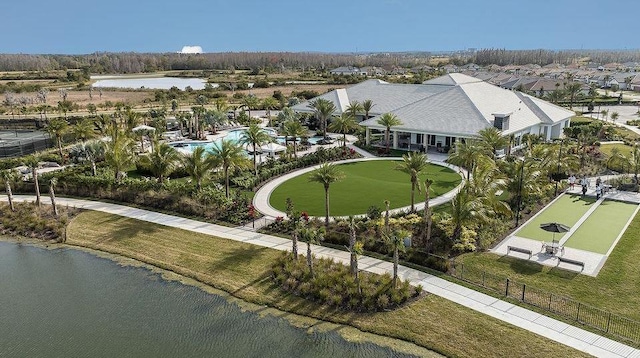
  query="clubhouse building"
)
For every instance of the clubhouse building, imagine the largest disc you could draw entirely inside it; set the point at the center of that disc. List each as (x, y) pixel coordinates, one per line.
(452, 107)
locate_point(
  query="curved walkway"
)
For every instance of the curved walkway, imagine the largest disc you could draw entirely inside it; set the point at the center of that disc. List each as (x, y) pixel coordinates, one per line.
(550, 328)
(261, 198)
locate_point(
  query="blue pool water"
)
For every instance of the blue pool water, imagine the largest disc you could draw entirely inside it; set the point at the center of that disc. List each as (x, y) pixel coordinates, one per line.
(234, 136)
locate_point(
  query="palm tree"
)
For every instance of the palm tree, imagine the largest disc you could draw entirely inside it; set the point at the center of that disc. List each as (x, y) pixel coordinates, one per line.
(132, 119)
(197, 165)
(52, 195)
(229, 155)
(294, 129)
(119, 155)
(57, 127)
(525, 180)
(396, 240)
(614, 116)
(343, 124)
(427, 212)
(367, 105)
(492, 140)
(269, 103)
(634, 160)
(413, 164)
(83, 129)
(32, 163)
(353, 262)
(466, 154)
(7, 176)
(215, 118)
(354, 109)
(326, 174)
(605, 114)
(311, 236)
(572, 90)
(466, 209)
(88, 151)
(251, 102)
(255, 136)
(162, 161)
(297, 224)
(388, 120)
(323, 110)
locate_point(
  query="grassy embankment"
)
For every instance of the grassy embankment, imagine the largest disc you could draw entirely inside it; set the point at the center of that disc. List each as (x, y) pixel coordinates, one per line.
(243, 269)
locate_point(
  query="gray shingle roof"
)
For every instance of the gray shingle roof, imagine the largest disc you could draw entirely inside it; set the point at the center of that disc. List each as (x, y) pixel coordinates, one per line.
(454, 104)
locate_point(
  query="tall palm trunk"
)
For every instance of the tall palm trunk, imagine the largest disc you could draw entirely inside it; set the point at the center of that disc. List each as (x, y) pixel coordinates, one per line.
(353, 264)
(386, 216)
(34, 173)
(326, 207)
(294, 244)
(309, 258)
(9, 195)
(427, 218)
(255, 163)
(413, 193)
(94, 170)
(395, 267)
(387, 137)
(52, 194)
(226, 181)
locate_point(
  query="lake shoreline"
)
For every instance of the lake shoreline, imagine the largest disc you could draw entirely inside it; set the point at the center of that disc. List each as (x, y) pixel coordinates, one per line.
(310, 324)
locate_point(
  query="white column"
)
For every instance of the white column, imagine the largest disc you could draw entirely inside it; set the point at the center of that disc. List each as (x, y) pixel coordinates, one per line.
(368, 135)
(395, 140)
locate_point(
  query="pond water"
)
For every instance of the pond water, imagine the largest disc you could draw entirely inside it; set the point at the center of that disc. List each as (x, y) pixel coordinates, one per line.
(149, 82)
(70, 303)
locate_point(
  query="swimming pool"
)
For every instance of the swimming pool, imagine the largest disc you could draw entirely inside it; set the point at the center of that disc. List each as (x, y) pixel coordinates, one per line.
(235, 136)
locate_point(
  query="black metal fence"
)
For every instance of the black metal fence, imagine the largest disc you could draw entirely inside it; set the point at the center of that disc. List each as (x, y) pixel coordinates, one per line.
(563, 306)
(20, 147)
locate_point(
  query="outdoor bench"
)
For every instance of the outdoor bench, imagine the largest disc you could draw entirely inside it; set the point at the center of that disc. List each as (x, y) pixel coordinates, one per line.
(517, 249)
(570, 261)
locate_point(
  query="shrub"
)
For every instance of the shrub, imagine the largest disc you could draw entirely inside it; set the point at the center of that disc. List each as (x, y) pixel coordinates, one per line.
(334, 286)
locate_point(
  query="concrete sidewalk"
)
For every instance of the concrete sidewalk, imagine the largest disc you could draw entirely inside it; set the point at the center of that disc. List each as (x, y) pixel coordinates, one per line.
(526, 319)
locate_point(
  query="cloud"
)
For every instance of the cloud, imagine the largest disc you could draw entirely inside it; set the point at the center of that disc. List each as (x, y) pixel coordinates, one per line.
(191, 49)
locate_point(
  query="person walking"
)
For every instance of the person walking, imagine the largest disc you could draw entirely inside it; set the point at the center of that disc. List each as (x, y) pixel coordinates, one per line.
(572, 181)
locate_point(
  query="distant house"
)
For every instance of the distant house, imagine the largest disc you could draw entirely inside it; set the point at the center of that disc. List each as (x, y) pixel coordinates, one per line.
(445, 109)
(348, 71)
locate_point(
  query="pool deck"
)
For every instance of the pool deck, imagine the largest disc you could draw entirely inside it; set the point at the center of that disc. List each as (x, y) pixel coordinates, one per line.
(593, 261)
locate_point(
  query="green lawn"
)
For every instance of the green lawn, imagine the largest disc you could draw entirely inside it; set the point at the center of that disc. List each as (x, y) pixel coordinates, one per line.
(602, 227)
(566, 210)
(364, 184)
(608, 148)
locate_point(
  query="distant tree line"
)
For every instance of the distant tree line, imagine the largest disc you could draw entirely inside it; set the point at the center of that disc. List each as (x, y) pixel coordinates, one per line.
(544, 57)
(150, 62)
(270, 62)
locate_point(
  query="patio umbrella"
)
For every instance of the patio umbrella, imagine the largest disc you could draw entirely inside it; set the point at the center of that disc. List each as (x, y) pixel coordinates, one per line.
(143, 128)
(554, 228)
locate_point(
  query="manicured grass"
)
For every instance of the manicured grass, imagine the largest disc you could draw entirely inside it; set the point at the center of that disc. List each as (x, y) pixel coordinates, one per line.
(608, 148)
(242, 270)
(616, 288)
(364, 184)
(602, 227)
(567, 210)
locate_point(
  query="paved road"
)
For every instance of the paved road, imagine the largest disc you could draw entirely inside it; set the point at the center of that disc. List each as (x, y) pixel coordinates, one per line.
(526, 319)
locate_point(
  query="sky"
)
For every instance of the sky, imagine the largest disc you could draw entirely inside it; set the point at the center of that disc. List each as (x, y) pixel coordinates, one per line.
(87, 26)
